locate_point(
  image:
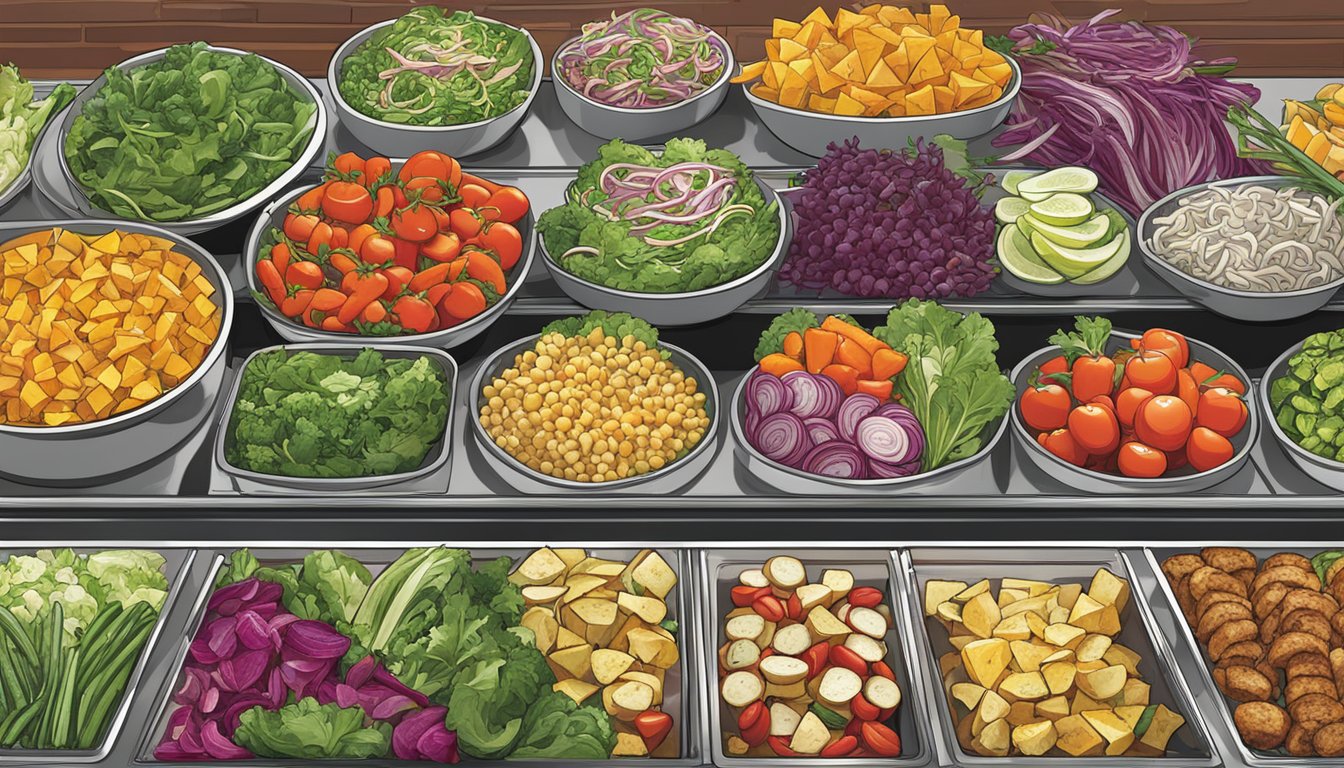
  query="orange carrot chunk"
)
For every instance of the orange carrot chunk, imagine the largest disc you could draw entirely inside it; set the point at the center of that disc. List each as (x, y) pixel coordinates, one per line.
(864, 339)
(879, 389)
(888, 363)
(844, 375)
(819, 348)
(779, 364)
(793, 345)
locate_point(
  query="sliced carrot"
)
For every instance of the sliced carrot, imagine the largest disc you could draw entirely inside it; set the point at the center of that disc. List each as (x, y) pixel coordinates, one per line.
(779, 364)
(1187, 389)
(819, 348)
(850, 353)
(844, 375)
(793, 345)
(879, 389)
(888, 363)
(865, 339)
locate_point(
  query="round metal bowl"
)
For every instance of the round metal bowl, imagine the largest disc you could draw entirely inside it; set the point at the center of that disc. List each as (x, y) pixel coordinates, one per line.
(435, 459)
(688, 308)
(796, 481)
(635, 125)
(1237, 304)
(810, 132)
(1324, 471)
(273, 216)
(399, 140)
(87, 452)
(20, 182)
(1090, 481)
(671, 478)
(68, 194)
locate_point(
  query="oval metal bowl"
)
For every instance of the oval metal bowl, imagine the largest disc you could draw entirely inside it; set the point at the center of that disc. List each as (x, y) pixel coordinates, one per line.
(273, 216)
(399, 140)
(671, 478)
(688, 308)
(69, 195)
(87, 452)
(635, 125)
(1324, 471)
(1253, 306)
(810, 132)
(796, 481)
(1090, 481)
(434, 460)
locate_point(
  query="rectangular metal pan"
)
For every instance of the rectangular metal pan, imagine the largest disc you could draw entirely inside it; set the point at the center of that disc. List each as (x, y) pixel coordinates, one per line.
(1169, 618)
(1190, 747)
(177, 564)
(719, 568)
(682, 685)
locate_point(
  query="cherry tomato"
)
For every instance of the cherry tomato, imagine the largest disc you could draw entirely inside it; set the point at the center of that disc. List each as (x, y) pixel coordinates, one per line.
(1094, 428)
(414, 223)
(1163, 422)
(311, 201)
(445, 246)
(841, 747)
(1153, 371)
(397, 278)
(504, 239)
(375, 168)
(1138, 460)
(1062, 444)
(1128, 402)
(1093, 376)
(434, 164)
(385, 201)
(414, 314)
(348, 164)
(473, 195)
(1170, 343)
(1221, 410)
(1187, 389)
(347, 201)
(1057, 364)
(408, 253)
(299, 227)
(465, 302)
(506, 204)
(1045, 407)
(321, 236)
(881, 739)
(1208, 449)
(465, 223)
(426, 189)
(754, 723)
(1206, 376)
(377, 249)
(1104, 401)
(304, 274)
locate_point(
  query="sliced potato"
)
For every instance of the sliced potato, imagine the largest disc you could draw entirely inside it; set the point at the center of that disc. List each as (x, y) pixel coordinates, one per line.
(579, 585)
(741, 654)
(1024, 686)
(745, 627)
(1102, 683)
(576, 660)
(1031, 587)
(783, 670)
(742, 688)
(824, 626)
(754, 578)
(540, 595)
(969, 694)
(1092, 648)
(980, 587)
(1053, 708)
(1117, 733)
(1064, 635)
(540, 567)
(1029, 656)
(867, 621)
(784, 719)
(840, 581)
(593, 611)
(792, 640)
(786, 573)
(1014, 627)
(938, 592)
(1035, 739)
(811, 735)
(655, 575)
(653, 681)
(1119, 654)
(838, 686)
(812, 595)
(649, 609)
(1077, 737)
(629, 745)
(544, 627)
(981, 615)
(1059, 676)
(867, 648)
(947, 611)
(627, 699)
(653, 648)
(993, 739)
(786, 691)
(885, 693)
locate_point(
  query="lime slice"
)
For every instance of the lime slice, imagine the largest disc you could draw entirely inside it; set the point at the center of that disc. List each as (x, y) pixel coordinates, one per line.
(1076, 262)
(1063, 210)
(1010, 209)
(1071, 179)
(1016, 256)
(1109, 267)
(1012, 178)
(1089, 233)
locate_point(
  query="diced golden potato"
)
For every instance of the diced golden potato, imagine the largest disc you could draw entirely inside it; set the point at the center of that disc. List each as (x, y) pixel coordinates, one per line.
(1014, 627)
(1068, 594)
(544, 627)
(736, 747)
(1032, 588)
(981, 615)
(939, 592)
(1117, 733)
(1021, 713)
(1102, 683)
(986, 659)
(969, 694)
(540, 567)
(1086, 614)
(629, 745)
(1135, 692)
(1164, 724)
(1007, 596)
(578, 690)
(593, 611)
(839, 581)
(1034, 739)
(1092, 647)
(950, 611)
(1029, 656)
(992, 707)
(571, 556)
(1077, 737)
(607, 665)
(1130, 714)
(1024, 686)
(577, 661)
(653, 648)
(1064, 635)
(654, 682)
(824, 625)
(1053, 708)
(1059, 676)
(541, 595)
(813, 595)
(993, 739)
(565, 638)
(579, 585)
(1108, 589)
(810, 736)
(649, 609)
(624, 700)
(975, 590)
(1119, 654)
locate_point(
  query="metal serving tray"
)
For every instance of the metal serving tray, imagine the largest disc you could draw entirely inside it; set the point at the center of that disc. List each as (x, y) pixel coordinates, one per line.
(719, 569)
(1167, 616)
(682, 688)
(177, 564)
(1190, 746)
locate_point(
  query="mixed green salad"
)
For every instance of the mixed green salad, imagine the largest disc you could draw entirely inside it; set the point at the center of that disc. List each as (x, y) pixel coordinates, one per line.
(188, 135)
(431, 67)
(684, 220)
(72, 627)
(307, 414)
(22, 118)
(1308, 400)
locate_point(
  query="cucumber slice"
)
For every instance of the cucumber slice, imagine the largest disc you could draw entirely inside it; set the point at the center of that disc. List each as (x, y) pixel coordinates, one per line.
(1073, 263)
(1063, 210)
(1010, 209)
(1094, 231)
(1016, 255)
(1108, 269)
(1072, 179)
(1012, 178)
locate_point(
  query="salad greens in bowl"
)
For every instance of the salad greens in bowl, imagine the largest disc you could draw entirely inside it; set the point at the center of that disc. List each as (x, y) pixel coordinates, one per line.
(679, 237)
(191, 136)
(22, 118)
(453, 82)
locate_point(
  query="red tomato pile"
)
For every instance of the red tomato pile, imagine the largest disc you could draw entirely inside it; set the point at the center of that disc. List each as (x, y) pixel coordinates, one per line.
(1147, 411)
(379, 254)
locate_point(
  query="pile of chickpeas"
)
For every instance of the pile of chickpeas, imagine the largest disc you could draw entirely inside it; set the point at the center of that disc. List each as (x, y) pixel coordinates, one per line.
(594, 408)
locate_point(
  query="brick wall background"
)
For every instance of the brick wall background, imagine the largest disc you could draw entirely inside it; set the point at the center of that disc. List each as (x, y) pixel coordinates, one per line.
(78, 38)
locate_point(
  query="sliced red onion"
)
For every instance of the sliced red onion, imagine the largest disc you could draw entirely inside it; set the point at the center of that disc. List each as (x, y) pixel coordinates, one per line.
(783, 438)
(812, 395)
(884, 439)
(836, 459)
(821, 430)
(316, 640)
(885, 471)
(854, 409)
(219, 747)
(768, 393)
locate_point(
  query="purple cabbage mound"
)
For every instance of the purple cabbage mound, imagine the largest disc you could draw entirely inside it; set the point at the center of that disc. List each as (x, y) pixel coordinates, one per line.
(890, 224)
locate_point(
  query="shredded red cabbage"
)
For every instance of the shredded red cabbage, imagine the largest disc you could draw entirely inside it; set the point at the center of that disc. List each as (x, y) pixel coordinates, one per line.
(1129, 100)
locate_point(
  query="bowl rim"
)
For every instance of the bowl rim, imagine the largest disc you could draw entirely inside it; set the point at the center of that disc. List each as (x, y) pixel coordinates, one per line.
(302, 161)
(1262, 396)
(1251, 429)
(781, 250)
(1151, 256)
(740, 437)
(348, 112)
(431, 462)
(721, 83)
(1006, 98)
(492, 366)
(252, 252)
(223, 289)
